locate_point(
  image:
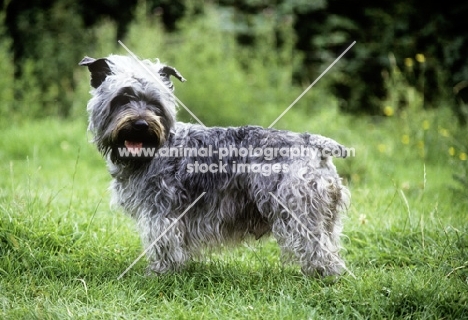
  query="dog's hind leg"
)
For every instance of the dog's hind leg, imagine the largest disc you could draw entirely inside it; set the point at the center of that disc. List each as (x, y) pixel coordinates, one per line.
(315, 249)
(308, 227)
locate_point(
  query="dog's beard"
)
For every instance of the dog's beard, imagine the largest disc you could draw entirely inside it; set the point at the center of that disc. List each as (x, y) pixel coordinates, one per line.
(136, 138)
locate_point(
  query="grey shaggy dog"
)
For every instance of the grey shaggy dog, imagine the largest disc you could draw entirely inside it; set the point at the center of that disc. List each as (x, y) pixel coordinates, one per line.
(299, 199)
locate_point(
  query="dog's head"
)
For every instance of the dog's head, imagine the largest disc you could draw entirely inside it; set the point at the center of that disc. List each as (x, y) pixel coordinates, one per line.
(133, 106)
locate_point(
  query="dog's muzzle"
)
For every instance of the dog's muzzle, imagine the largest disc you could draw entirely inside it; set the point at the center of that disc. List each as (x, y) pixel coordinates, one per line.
(135, 144)
(137, 138)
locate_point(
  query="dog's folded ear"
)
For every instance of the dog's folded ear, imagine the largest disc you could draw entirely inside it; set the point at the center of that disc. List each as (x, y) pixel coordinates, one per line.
(99, 69)
(166, 71)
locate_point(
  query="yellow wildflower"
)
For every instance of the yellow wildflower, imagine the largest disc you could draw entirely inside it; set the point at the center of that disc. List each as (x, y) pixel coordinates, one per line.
(388, 111)
(451, 151)
(444, 132)
(382, 148)
(426, 125)
(462, 156)
(409, 62)
(420, 58)
(405, 139)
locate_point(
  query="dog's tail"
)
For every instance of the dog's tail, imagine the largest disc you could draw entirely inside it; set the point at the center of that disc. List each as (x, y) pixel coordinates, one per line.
(328, 147)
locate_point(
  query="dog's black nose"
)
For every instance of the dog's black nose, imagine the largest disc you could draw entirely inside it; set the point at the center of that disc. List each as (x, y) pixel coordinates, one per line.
(140, 124)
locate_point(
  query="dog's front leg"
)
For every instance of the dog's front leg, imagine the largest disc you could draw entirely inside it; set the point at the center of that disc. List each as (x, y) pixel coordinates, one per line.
(164, 241)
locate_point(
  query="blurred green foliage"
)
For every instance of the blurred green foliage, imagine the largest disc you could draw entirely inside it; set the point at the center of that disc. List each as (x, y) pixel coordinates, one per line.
(404, 29)
(38, 58)
(46, 37)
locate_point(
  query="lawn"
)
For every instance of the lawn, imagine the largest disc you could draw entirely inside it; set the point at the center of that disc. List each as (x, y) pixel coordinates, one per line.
(405, 238)
(62, 247)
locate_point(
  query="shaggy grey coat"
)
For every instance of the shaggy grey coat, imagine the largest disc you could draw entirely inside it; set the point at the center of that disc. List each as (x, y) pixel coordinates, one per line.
(160, 167)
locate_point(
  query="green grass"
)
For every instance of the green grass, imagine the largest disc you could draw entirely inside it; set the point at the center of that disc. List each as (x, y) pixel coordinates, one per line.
(62, 247)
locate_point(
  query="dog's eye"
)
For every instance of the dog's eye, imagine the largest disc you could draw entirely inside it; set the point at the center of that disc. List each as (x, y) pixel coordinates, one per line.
(120, 101)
